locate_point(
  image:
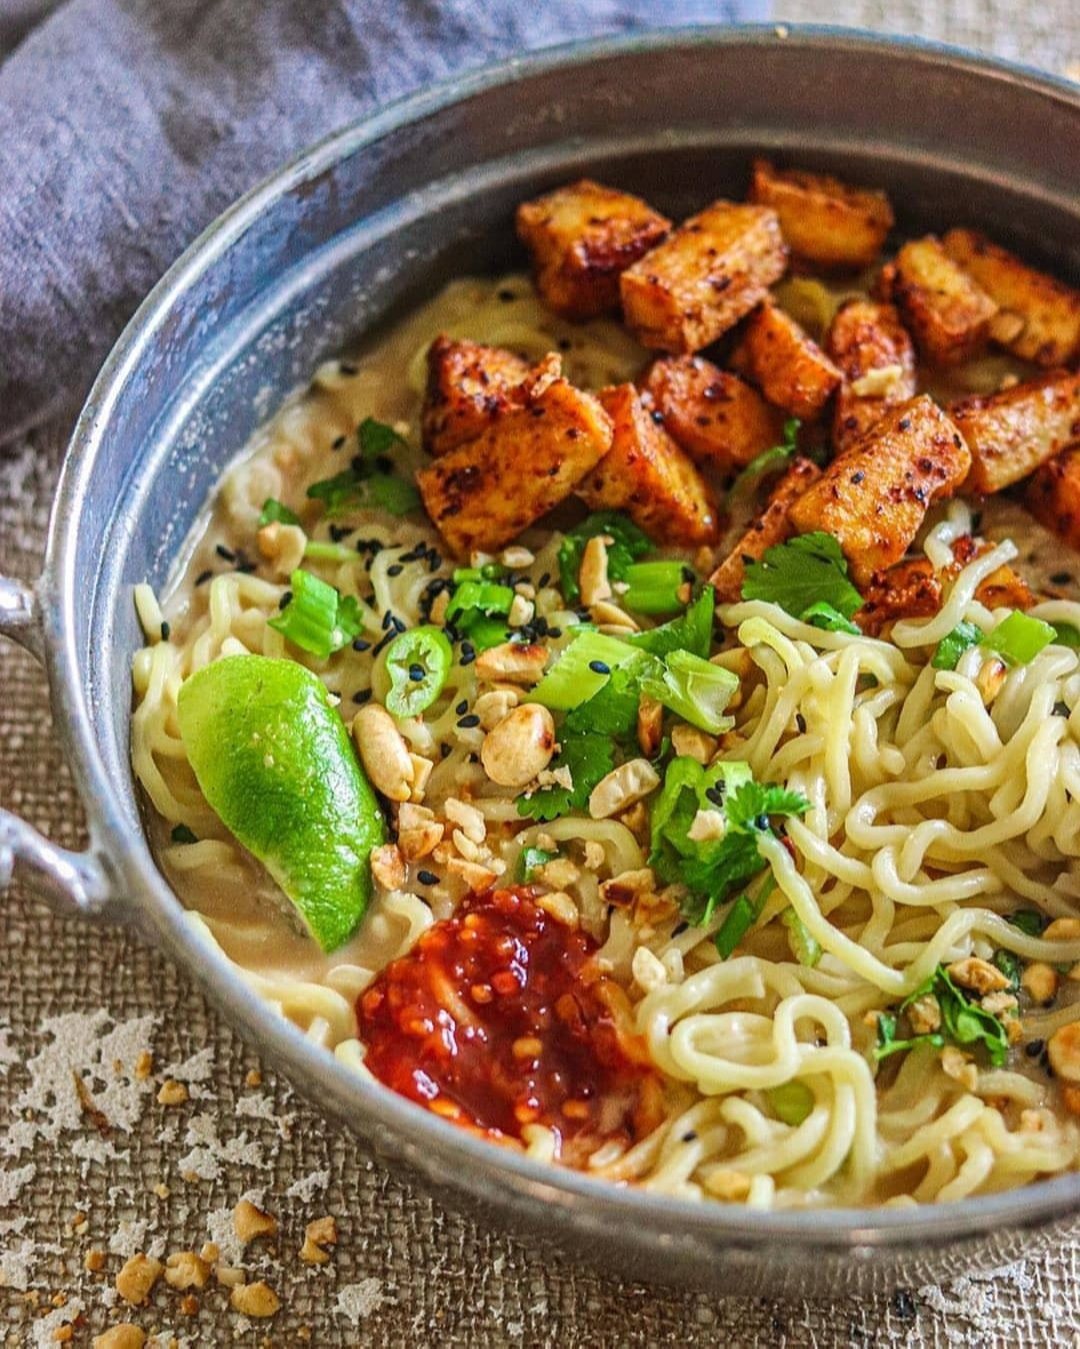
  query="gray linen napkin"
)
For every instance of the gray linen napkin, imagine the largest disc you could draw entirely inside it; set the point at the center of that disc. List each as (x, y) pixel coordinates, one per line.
(127, 125)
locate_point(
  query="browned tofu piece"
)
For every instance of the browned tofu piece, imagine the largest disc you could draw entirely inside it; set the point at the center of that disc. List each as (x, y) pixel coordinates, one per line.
(581, 237)
(1012, 432)
(941, 306)
(720, 421)
(1003, 588)
(487, 491)
(788, 367)
(697, 284)
(1038, 316)
(646, 475)
(823, 220)
(1053, 496)
(771, 527)
(872, 498)
(468, 387)
(876, 357)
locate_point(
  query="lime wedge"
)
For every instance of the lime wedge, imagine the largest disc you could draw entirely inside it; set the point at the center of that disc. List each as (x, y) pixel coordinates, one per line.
(275, 762)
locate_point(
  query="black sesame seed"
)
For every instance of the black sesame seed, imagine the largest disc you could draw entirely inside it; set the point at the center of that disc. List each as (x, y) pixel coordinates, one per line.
(395, 570)
(203, 577)
(679, 929)
(383, 640)
(506, 295)
(347, 368)
(599, 667)
(427, 878)
(361, 696)
(544, 580)
(474, 758)
(469, 721)
(387, 619)
(398, 625)
(762, 823)
(226, 553)
(246, 567)
(339, 443)
(462, 707)
(554, 632)
(658, 416)
(339, 532)
(444, 749)
(564, 344)
(689, 1136)
(800, 722)
(361, 644)
(286, 600)
(165, 630)
(1034, 1048)
(1061, 578)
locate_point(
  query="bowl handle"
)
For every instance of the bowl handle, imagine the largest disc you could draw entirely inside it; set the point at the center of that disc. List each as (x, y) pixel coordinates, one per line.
(70, 881)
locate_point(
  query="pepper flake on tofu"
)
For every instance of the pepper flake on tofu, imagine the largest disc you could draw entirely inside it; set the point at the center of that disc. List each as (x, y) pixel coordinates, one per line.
(484, 493)
(469, 386)
(872, 498)
(697, 284)
(876, 357)
(581, 237)
(1013, 432)
(646, 475)
(785, 363)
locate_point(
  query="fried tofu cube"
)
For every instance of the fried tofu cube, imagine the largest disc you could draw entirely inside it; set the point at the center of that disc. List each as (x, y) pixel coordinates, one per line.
(1012, 432)
(1053, 496)
(468, 387)
(484, 493)
(872, 498)
(1038, 317)
(785, 363)
(697, 284)
(941, 306)
(646, 475)
(720, 421)
(581, 237)
(875, 355)
(823, 220)
(771, 527)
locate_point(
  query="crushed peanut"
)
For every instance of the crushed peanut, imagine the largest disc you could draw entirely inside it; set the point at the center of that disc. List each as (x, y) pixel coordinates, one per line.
(253, 1078)
(1040, 981)
(623, 889)
(172, 1093)
(593, 572)
(561, 907)
(124, 1336)
(467, 818)
(185, 1269)
(1063, 1051)
(978, 975)
(649, 972)
(622, 787)
(255, 1299)
(650, 726)
(189, 1305)
(924, 1014)
(388, 866)
(249, 1223)
(958, 1065)
(689, 741)
(728, 1185)
(137, 1278)
(318, 1235)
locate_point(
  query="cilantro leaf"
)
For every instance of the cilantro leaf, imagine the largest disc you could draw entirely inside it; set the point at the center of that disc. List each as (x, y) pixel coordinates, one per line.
(963, 1022)
(369, 480)
(824, 616)
(613, 710)
(691, 631)
(589, 758)
(807, 570)
(750, 806)
(628, 544)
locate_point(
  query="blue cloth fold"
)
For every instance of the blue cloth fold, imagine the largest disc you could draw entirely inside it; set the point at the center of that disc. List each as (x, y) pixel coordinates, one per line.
(127, 125)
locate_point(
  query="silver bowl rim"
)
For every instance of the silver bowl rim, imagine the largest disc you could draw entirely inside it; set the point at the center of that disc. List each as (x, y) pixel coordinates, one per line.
(129, 865)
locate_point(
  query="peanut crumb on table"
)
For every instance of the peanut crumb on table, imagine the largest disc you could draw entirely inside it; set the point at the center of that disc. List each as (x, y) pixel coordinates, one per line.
(250, 1222)
(254, 1299)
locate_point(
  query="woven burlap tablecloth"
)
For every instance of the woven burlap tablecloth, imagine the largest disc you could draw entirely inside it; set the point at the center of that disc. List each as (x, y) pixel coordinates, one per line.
(92, 1002)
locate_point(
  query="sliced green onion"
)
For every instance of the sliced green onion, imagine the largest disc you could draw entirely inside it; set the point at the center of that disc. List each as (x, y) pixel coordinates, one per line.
(320, 551)
(695, 690)
(657, 587)
(627, 544)
(1019, 638)
(737, 923)
(691, 631)
(829, 618)
(792, 1102)
(486, 597)
(953, 645)
(582, 670)
(804, 946)
(1065, 634)
(418, 662)
(273, 512)
(318, 619)
(532, 859)
(181, 833)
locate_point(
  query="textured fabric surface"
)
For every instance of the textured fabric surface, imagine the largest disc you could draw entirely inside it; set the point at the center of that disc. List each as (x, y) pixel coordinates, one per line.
(76, 999)
(127, 125)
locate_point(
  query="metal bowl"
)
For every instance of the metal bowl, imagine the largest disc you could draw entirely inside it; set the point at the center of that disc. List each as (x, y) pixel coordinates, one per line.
(354, 230)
